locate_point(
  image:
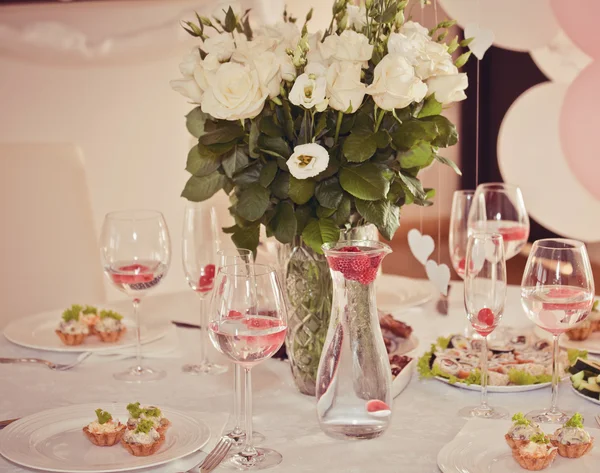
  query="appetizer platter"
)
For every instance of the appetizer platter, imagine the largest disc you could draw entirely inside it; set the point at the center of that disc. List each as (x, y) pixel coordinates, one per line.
(522, 363)
(399, 343)
(102, 438)
(585, 379)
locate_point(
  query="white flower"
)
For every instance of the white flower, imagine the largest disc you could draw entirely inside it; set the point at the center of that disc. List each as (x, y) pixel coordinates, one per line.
(315, 53)
(432, 60)
(344, 88)
(448, 88)
(269, 73)
(395, 84)
(286, 66)
(286, 34)
(235, 93)
(413, 29)
(357, 16)
(349, 46)
(222, 45)
(188, 88)
(205, 70)
(308, 160)
(310, 88)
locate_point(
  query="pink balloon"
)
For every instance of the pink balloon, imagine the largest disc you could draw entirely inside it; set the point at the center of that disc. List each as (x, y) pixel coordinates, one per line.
(579, 128)
(579, 20)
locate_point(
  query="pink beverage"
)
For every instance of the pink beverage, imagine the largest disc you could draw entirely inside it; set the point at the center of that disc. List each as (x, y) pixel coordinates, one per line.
(556, 309)
(248, 340)
(514, 234)
(136, 277)
(484, 322)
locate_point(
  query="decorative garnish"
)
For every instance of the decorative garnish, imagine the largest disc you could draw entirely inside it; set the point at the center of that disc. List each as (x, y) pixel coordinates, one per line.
(523, 378)
(423, 365)
(574, 353)
(519, 419)
(540, 438)
(576, 421)
(72, 313)
(103, 416)
(144, 426)
(443, 342)
(88, 309)
(110, 314)
(152, 412)
(135, 410)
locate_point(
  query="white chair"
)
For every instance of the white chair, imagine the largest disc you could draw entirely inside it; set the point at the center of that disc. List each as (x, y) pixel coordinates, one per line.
(48, 246)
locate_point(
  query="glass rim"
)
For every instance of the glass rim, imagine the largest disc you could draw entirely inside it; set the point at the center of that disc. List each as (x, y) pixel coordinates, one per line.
(374, 245)
(234, 252)
(258, 270)
(144, 214)
(464, 192)
(542, 243)
(491, 236)
(500, 186)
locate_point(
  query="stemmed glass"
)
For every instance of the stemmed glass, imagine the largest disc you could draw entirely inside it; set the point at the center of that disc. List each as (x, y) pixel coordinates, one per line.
(200, 243)
(136, 253)
(248, 322)
(485, 294)
(557, 293)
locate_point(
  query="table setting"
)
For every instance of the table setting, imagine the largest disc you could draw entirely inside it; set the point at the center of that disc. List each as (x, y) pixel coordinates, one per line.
(315, 359)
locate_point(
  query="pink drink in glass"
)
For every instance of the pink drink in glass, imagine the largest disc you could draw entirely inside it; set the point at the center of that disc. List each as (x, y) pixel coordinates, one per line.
(514, 233)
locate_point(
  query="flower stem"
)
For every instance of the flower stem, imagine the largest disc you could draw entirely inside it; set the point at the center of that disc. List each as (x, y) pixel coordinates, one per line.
(338, 125)
(379, 120)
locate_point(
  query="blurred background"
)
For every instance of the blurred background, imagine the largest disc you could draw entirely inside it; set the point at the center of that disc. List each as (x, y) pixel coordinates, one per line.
(90, 79)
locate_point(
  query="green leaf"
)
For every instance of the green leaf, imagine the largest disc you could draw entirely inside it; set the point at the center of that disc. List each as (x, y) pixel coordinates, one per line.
(253, 202)
(274, 146)
(268, 173)
(366, 181)
(323, 212)
(342, 214)
(384, 214)
(201, 165)
(389, 14)
(284, 222)
(420, 155)
(445, 131)
(449, 162)
(235, 160)
(281, 186)
(223, 133)
(253, 140)
(247, 238)
(268, 127)
(413, 185)
(329, 193)
(359, 148)
(430, 107)
(382, 138)
(411, 132)
(321, 124)
(230, 20)
(250, 175)
(303, 214)
(288, 121)
(301, 190)
(198, 189)
(320, 231)
(230, 230)
(194, 122)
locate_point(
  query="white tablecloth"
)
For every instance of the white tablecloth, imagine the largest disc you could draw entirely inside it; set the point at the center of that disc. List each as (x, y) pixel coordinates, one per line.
(424, 415)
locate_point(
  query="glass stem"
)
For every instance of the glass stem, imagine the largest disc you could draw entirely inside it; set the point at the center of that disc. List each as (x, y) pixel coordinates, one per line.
(484, 374)
(237, 401)
(555, 374)
(138, 337)
(249, 450)
(203, 333)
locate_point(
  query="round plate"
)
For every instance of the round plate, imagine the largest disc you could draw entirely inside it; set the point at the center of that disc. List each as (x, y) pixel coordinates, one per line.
(400, 382)
(496, 389)
(595, 401)
(53, 440)
(37, 331)
(591, 345)
(395, 293)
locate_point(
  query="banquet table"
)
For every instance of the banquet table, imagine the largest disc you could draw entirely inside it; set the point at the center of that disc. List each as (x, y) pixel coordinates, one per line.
(424, 414)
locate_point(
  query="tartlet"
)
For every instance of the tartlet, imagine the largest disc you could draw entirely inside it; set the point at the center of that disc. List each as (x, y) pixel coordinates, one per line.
(571, 440)
(138, 414)
(521, 431)
(109, 327)
(72, 330)
(581, 332)
(144, 440)
(595, 317)
(89, 315)
(105, 431)
(536, 455)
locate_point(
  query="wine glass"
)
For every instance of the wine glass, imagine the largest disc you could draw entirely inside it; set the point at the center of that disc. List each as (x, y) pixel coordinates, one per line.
(248, 321)
(200, 243)
(557, 293)
(136, 253)
(485, 294)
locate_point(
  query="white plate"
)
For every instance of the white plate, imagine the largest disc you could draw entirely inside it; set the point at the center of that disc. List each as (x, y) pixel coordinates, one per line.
(592, 344)
(37, 331)
(496, 389)
(395, 293)
(595, 401)
(483, 450)
(400, 382)
(52, 440)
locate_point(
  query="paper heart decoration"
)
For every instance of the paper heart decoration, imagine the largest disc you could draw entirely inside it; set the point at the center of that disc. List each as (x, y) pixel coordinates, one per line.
(482, 39)
(439, 275)
(420, 245)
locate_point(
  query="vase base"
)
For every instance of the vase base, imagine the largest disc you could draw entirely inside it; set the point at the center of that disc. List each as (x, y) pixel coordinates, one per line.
(353, 432)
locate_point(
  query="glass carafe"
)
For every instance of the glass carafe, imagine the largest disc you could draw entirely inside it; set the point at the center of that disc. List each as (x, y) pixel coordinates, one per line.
(354, 377)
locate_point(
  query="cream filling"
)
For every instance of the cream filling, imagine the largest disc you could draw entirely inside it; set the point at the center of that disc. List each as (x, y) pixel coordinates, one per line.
(537, 450)
(98, 428)
(108, 324)
(572, 435)
(74, 327)
(140, 437)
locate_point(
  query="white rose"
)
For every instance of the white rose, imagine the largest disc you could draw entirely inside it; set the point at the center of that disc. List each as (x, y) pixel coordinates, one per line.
(188, 88)
(308, 160)
(235, 93)
(221, 45)
(395, 84)
(349, 46)
(344, 88)
(448, 88)
(315, 53)
(269, 73)
(309, 89)
(205, 70)
(245, 49)
(433, 59)
(190, 61)
(413, 29)
(286, 66)
(286, 34)
(357, 16)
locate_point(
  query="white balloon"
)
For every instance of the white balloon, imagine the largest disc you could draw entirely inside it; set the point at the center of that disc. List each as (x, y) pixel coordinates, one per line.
(520, 25)
(530, 156)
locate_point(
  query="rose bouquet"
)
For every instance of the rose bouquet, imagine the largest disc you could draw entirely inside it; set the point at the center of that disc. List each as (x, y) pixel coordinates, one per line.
(312, 133)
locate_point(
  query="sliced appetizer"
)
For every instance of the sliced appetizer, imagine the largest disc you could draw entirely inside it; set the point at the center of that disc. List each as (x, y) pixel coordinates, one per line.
(571, 439)
(521, 431)
(72, 330)
(595, 317)
(535, 455)
(104, 431)
(144, 440)
(110, 327)
(138, 413)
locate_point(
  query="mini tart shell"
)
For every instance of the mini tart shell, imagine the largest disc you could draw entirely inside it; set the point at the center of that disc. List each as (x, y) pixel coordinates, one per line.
(512, 443)
(580, 333)
(105, 439)
(142, 450)
(596, 325)
(71, 338)
(531, 463)
(111, 337)
(573, 450)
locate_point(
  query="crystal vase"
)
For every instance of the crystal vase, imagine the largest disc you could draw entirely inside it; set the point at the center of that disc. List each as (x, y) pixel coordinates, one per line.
(354, 377)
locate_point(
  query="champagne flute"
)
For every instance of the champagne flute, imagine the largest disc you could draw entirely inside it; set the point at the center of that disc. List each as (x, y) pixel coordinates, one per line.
(248, 321)
(200, 243)
(557, 293)
(485, 295)
(136, 253)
